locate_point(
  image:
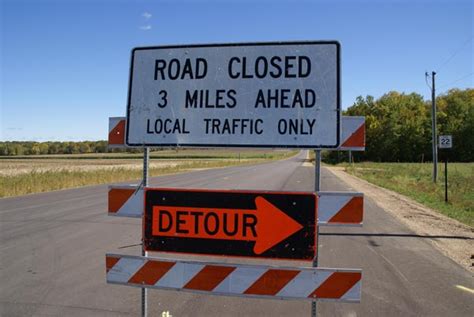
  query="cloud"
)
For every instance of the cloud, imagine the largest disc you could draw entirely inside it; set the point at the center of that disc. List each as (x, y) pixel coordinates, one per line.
(146, 15)
(145, 27)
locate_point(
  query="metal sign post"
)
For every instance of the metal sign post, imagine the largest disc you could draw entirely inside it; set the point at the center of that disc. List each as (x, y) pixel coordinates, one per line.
(446, 177)
(146, 159)
(317, 188)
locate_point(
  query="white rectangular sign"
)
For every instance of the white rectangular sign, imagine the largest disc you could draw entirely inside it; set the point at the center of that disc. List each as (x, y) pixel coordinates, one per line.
(283, 94)
(445, 142)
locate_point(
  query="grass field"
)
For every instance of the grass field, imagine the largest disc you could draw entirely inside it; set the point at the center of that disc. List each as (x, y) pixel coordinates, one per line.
(26, 175)
(415, 180)
(181, 154)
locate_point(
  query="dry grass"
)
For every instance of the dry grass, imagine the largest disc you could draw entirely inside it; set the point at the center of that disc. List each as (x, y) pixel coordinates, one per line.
(23, 166)
(26, 176)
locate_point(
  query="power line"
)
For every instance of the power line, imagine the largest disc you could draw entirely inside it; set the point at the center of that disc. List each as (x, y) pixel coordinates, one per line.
(457, 80)
(455, 53)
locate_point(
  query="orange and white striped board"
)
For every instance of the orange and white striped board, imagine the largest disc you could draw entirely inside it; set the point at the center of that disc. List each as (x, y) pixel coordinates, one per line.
(235, 279)
(340, 208)
(117, 132)
(126, 201)
(334, 208)
(352, 134)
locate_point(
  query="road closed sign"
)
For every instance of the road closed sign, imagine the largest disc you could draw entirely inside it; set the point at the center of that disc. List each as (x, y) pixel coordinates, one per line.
(235, 95)
(277, 225)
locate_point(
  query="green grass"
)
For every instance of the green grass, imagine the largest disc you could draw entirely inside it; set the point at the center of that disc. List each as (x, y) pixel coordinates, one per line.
(415, 180)
(48, 180)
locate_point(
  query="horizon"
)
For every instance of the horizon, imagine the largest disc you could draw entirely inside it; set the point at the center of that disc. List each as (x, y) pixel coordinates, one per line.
(157, 147)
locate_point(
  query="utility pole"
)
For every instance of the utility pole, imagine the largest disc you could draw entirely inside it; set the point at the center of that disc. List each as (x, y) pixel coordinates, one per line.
(433, 126)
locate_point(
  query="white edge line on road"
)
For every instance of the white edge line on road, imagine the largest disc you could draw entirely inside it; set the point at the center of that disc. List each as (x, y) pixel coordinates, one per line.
(466, 289)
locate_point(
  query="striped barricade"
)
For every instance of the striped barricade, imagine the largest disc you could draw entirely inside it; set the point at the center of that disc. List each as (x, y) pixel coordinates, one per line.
(333, 208)
(340, 208)
(352, 134)
(117, 132)
(126, 201)
(235, 279)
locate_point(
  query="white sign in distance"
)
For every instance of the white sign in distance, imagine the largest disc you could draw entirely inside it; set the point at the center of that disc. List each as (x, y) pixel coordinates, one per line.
(284, 94)
(445, 141)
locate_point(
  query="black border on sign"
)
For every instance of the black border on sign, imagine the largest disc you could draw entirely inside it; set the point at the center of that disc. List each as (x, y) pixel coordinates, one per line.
(338, 98)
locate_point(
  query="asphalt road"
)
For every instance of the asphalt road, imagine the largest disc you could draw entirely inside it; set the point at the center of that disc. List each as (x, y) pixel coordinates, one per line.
(53, 245)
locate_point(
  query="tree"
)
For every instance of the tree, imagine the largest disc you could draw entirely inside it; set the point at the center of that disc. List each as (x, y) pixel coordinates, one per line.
(455, 117)
(84, 147)
(395, 126)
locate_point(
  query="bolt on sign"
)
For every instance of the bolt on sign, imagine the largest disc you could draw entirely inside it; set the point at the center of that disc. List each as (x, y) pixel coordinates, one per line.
(283, 94)
(278, 225)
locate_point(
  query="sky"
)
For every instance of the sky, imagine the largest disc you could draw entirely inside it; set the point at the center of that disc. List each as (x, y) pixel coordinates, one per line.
(64, 65)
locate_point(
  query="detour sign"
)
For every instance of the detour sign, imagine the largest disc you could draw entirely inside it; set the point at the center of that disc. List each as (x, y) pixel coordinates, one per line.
(238, 223)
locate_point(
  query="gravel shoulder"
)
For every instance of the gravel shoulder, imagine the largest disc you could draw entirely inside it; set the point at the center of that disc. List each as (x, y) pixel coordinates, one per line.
(421, 219)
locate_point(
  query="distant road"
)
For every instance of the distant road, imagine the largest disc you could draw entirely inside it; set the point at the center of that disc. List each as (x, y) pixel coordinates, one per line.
(53, 245)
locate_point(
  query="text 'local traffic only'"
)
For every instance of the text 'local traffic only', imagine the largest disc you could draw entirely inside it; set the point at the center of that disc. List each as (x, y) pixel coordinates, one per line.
(273, 95)
(231, 223)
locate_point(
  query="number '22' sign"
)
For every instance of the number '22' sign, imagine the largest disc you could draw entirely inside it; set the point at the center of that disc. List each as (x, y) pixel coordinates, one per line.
(445, 141)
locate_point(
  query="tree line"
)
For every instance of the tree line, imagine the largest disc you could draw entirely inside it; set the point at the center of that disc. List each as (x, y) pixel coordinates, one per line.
(39, 148)
(398, 127)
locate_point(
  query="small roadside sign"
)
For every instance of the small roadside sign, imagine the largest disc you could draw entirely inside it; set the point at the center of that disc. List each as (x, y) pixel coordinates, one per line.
(282, 94)
(445, 141)
(277, 225)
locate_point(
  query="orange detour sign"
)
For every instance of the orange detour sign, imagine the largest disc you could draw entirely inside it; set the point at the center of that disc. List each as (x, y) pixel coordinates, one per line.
(235, 279)
(239, 223)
